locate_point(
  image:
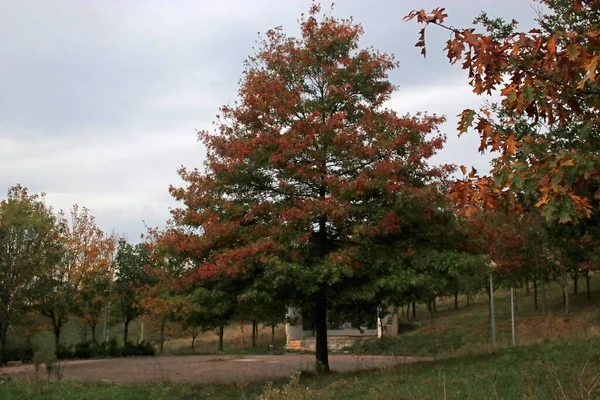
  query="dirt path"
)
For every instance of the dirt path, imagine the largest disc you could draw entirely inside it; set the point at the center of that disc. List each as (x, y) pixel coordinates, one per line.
(205, 369)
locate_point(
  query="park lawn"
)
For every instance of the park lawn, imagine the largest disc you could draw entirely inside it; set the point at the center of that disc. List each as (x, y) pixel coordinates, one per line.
(565, 369)
(556, 357)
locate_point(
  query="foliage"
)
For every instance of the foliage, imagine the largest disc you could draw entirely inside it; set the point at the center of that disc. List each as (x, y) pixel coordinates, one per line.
(308, 173)
(547, 76)
(77, 283)
(29, 247)
(131, 276)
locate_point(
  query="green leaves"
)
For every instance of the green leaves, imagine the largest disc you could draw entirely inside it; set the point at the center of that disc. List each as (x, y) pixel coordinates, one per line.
(466, 120)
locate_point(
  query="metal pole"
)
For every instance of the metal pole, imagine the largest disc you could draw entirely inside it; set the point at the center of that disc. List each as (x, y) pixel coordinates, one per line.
(493, 320)
(106, 333)
(512, 313)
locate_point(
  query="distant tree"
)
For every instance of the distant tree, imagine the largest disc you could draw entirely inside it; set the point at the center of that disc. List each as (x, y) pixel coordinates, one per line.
(68, 285)
(133, 262)
(29, 246)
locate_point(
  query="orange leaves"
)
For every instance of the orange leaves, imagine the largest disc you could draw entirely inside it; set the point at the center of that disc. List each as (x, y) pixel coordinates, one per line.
(590, 68)
(437, 16)
(547, 76)
(511, 145)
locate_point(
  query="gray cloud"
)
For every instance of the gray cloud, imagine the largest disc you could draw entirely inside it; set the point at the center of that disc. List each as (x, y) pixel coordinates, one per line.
(100, 99)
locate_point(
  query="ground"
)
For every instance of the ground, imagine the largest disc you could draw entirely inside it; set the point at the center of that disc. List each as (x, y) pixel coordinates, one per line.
(205, 369)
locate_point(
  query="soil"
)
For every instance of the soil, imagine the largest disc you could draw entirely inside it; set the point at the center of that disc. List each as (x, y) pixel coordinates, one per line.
(204, 369)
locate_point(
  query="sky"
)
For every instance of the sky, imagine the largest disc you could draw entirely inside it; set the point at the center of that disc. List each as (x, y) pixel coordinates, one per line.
(100, 100)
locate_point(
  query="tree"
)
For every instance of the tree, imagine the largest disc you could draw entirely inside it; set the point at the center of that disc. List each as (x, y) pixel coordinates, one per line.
(67, 289)
(29, 245)
(130, 277)
(94, 291)
(308, 171)
(549, 77)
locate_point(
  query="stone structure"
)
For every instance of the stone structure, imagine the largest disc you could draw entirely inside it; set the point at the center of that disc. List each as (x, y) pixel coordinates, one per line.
(300, 338)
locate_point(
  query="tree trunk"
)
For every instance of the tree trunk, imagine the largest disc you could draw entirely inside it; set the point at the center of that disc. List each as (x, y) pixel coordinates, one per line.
(515, 300)
(321, 353)
(456, 301)
(587, 282)
(221, 330)
(84, 332)
(430, 309)
(126, 331)
(273, 333)
(575, 284)
(535, 293)
(3, 334)
(566, 295)
(434, 306)
(414, 309)
(544, 293)
(254, 332)
(194, 335)
(526, 287)
(162, 337)
(93, 330)
(57, 330)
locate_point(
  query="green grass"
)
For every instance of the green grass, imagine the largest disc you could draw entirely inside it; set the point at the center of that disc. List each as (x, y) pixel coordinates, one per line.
(467, 330)
(565, 369)
(556, 357)
(109, 391)
(541, 371)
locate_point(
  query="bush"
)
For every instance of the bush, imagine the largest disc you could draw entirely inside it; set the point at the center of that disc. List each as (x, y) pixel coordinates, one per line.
(64, 352)
(140, 349)
(18, 351)
(111, 348)
(86, 350)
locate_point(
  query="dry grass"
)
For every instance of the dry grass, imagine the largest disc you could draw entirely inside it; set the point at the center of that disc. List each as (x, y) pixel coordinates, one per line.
(234, 337)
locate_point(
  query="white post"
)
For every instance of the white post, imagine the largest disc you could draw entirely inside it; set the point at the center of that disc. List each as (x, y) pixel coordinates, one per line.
(379, 323)
(512, 313)
(293, 325)
(142, 332)
(493, 321)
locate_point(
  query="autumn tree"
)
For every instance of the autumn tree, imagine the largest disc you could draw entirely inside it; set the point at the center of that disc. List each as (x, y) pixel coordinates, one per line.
(71, 287)
(548, 76)
(308, 171)
(29, 245)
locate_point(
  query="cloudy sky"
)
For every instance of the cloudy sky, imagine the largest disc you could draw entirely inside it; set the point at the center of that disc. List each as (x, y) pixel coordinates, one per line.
(100, 99)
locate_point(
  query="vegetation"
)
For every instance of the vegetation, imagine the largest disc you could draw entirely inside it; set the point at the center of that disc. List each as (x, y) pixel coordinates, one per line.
(555, 358)
(316, 196)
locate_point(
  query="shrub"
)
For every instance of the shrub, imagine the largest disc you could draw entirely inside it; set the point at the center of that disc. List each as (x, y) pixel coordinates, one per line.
(85, 350)
(140, 349)
(18, 351)
(64, 352)
(111, 348)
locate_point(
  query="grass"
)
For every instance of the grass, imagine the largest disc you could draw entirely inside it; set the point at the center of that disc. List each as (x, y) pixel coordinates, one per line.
(467, 330)
(566, 369)
(108, 391)
(556, 358)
